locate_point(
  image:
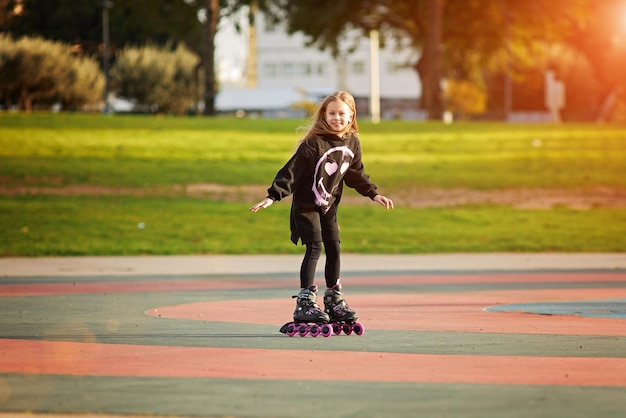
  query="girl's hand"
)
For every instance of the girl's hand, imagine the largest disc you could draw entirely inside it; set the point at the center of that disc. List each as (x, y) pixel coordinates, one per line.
(382, 200)
(262, 204)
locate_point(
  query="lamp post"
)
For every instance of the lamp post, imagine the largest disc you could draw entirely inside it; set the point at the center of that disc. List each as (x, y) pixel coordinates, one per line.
(106, 5)
(374, 75)
(372, 23)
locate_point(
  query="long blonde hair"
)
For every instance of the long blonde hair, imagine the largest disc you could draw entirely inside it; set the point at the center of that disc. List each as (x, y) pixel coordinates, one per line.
(319, 125)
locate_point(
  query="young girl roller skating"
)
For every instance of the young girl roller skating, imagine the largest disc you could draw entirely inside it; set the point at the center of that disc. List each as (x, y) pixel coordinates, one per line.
(327, 157)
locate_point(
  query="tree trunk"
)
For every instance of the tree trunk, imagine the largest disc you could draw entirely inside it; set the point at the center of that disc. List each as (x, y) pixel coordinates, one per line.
(209, 29)
(25, 101)
(197, 87)
(429, 65)
(422, 73)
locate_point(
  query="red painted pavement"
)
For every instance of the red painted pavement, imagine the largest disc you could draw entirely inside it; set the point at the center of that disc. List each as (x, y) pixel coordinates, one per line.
(82, 359)
(452, 312)
(448, 312)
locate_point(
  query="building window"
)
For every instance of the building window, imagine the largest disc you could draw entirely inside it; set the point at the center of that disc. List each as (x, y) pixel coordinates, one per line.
(287, 69)
(269, 70)
(303, 69)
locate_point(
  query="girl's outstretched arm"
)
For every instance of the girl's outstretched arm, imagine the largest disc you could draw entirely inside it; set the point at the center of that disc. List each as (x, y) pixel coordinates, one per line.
(262, 204)
(382, 200)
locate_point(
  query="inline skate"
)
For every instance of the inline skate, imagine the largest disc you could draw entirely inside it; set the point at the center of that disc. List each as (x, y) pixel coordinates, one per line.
(342, 317)
(308, 317)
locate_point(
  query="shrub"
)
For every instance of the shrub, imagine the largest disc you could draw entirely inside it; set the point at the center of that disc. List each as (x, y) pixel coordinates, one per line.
(464, 97)
(161, 77)
(34, 71)
(84, 84)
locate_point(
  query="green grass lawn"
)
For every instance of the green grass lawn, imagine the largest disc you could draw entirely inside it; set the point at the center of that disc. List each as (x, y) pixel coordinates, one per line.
(144, 151)
(48, 150)
(112, 225)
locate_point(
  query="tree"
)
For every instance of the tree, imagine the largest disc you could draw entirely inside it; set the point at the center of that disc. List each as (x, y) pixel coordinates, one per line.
(59, 20)
(209, 29)
(133, 23)
(34, 71)
(601, 37)
(472, 31)
(431, 58)
(157, 76)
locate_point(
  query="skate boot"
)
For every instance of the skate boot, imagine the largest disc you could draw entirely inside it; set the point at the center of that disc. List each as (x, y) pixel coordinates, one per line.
(307, 309)
(342, 317)
(308, 318)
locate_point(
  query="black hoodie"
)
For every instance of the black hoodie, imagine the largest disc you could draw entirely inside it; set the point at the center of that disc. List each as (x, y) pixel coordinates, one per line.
(315, 174)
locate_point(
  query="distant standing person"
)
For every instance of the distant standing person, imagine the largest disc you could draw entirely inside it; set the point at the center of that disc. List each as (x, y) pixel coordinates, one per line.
(328, 156)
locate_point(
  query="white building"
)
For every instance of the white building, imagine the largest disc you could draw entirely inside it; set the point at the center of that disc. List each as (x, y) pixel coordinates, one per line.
(288, 72)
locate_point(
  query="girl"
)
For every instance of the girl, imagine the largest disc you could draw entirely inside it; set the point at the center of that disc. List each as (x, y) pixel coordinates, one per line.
(328, 156)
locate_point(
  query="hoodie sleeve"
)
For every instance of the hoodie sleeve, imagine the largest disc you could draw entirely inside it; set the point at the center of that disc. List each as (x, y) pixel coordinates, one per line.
(356, 178)
(285, 181)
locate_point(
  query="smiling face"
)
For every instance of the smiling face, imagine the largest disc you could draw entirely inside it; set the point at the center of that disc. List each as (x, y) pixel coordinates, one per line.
(338, 116)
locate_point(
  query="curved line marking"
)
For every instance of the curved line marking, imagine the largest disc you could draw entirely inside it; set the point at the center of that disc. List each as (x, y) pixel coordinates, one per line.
(450, 312)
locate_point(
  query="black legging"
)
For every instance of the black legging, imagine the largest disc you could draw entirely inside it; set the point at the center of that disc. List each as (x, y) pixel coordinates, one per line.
(312, 256)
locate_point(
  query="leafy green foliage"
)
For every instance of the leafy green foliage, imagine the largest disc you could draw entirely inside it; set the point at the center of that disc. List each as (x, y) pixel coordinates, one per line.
(480, 39)
(157, 76)
(34, 71)
(132, 22)
(582, 40)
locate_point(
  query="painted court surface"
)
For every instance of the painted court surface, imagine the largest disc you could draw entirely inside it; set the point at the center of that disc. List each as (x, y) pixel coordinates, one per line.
(437, 343)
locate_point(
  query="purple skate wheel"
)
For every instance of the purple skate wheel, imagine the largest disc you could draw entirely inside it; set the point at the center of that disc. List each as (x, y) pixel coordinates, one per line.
(292, 330)
(315, 330)
(303, 330)
(347, 329)
(358, 328)
(327, 330)
(336, 328)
